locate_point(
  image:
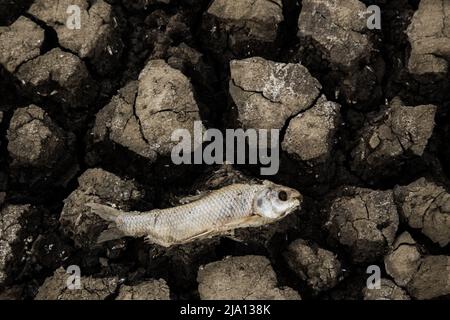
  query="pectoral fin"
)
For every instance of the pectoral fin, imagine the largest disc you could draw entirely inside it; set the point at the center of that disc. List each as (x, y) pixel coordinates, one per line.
(205, 234)
(105, 212)
(245, 222)
(167, 243)
(231, 235)
(112, 233)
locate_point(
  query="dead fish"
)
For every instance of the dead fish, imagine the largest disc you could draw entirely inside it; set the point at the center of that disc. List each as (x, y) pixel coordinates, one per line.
(217, 213)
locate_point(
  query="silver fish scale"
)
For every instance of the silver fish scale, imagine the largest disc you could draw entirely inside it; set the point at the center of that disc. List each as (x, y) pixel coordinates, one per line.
(136, 223)
(184, 222)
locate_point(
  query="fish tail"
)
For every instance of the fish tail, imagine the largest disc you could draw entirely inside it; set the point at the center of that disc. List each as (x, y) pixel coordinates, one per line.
(109, 214)
(112, 233)
(105, 212)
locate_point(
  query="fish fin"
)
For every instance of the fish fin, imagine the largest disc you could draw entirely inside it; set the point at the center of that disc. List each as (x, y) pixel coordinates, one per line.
(232, 235)
(108, 214)
(245, 222)
(105, 212)
(151, 240)
(112, 233)
(205, 234)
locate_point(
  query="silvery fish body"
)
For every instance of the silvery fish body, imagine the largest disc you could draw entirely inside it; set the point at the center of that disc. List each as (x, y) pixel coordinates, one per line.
(217, 213)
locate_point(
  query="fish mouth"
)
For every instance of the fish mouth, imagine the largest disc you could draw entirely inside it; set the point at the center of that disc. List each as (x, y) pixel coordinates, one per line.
(295, 205)
(295, 194)
(297, 199)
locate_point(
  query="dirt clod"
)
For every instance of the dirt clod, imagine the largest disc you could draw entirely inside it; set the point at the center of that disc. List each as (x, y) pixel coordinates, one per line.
(395, 133)
(432, 280)
(34, 139)
(388, 291)
(320, 268)
(12, 224)
(429, 36)
(243, 28)
(267, 93)
(59, 75)
(56, 288)
(365, 222)
(337, 33)
(21, 42)
(404, 259)
(148, 290)
(310, 135)
(133, 118)
(426, 206)
(248, 277)
(99, 186)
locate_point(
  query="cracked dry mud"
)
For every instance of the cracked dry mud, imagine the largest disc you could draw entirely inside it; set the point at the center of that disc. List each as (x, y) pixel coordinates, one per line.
(87, 116)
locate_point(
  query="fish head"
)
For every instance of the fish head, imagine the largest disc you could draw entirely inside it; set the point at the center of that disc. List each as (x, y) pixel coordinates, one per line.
(275, 201)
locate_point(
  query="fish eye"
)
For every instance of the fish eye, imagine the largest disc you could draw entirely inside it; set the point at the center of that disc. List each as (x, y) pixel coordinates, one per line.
(282, 195)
